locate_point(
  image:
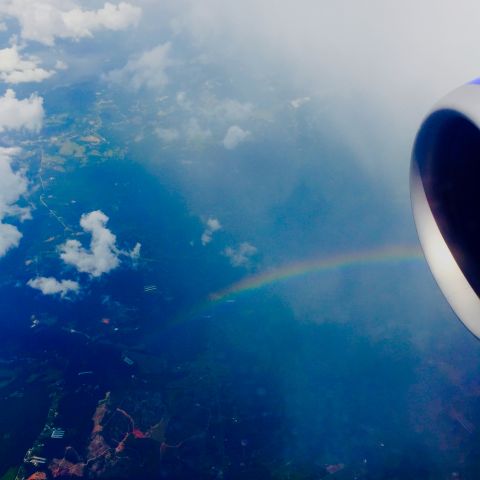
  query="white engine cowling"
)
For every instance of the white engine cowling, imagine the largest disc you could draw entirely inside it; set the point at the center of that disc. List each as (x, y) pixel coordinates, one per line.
(445, 191)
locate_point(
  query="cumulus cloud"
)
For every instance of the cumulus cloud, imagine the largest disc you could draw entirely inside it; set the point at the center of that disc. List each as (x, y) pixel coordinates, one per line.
(51, 286)
(145, 70)
(12, 186)
(103, 255)
(234, 137)
(15, 69)
(240, 256)
(9, 238)
(18, 114)
(45, 20)
(212, 226)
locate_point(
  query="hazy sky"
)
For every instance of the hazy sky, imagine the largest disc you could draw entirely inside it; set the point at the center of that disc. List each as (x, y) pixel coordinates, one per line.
(376, 66)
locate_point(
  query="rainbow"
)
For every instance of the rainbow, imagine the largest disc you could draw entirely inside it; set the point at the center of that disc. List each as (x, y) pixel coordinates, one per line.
(391, 254)
(396, 254)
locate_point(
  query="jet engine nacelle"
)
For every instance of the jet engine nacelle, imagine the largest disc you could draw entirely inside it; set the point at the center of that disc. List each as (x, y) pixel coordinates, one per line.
(445, 190)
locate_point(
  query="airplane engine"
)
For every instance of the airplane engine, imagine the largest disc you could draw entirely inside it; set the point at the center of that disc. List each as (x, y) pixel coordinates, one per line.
(445, 192)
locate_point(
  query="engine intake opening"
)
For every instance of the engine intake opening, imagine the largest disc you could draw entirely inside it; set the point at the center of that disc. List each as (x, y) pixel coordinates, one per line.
(447, 152)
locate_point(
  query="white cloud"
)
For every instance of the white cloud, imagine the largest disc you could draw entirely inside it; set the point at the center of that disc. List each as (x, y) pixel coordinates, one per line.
(241, 256)
(234, 137)
(17, 114)
(12, 186)
(10, 238)
(15, 69)
(45, 20)
(145, 70)
(212, 226)
(102, 257)
(167, 135)
(51, 286)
